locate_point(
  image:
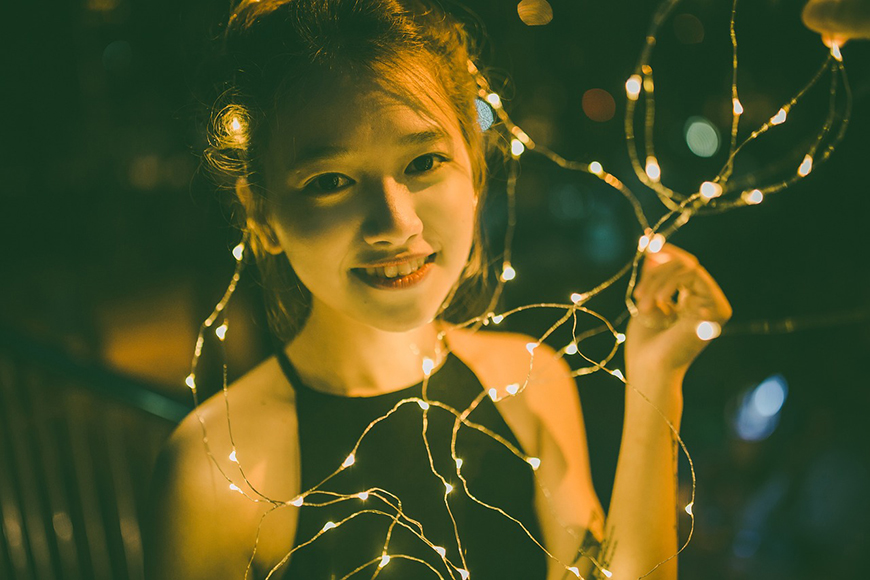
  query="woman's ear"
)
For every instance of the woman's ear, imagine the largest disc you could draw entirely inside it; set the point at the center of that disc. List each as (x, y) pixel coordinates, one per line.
(262, 229)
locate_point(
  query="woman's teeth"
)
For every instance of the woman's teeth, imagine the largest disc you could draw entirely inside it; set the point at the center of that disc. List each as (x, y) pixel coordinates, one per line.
(402, 269)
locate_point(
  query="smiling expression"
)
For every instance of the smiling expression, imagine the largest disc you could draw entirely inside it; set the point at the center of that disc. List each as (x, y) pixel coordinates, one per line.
(373, 203)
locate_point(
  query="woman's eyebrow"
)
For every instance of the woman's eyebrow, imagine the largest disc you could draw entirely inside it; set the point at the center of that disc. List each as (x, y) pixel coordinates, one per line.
(322, 152)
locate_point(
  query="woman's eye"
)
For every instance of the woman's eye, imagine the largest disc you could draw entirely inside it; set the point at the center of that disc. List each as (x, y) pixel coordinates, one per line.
(328, 182)
(425, 163)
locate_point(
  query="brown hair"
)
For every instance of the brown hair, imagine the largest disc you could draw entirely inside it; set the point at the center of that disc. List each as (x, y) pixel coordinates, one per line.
(272, 49)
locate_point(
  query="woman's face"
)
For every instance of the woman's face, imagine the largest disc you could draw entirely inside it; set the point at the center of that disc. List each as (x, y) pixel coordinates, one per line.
(373, 203)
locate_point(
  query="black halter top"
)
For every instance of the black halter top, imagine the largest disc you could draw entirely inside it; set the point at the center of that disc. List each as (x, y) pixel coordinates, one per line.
(393, 457)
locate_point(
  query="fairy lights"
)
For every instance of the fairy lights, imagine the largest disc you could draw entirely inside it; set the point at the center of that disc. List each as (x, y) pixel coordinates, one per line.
(721, 191)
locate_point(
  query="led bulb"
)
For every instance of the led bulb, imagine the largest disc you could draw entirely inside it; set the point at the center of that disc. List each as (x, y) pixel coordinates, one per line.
(441, 551)
(497, 318)
(779, 118)
(494, 100)
(531, 346)
(363, 495)
(328, 526)
(297, 501)
(606, 572)
(351, 459)
(508, 273)
(571, 349)
(656, 244)
(493, 394)
(239, 252)
(596, 168)
(235, 487)
(423, 404)
(513, 388)
(618, 374)
(576, 298)
(534, 462)
(458, 463)
(190, 382)
(806, 166)
(708, 330)
(632, 87)
(738, 108)
(236, 125)
(689, 508)
(233, 457)
(517, 147)
(221, 331)
(448, 488)
(753, 197)
(385, 559)
(642, 243)
(652, 169)
(835, 51)
(428, 365)
(463, 573)
(710, 190)
(574, 571)
(620, 338)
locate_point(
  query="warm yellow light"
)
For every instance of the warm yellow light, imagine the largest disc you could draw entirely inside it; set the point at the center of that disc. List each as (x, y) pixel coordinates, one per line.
(235, 487)
(648, 85)
(517, 147)
(297, 501)
(653, 171)
(618, 374)
(423, 404)
(190, 382)
(221, 331)
(363, 495)
(596, 168)
(576, 298)
(441, 551)
(448, 488)
(620, 338)
(328, 526)
(642, 243)
(493, 394)
(606, 572)
(779, 118)
(351, 459)
(233, 457)
(632, 87)
(497, 318)
(534, 462)
(508, 273)
(513, 388)
(708, 330)
(531, 346)
(494, 100)
(710, 190)
(458, 463)
(385, 559)
(574, 571)
(239, 252)
(428, 365)
(689, 508)
(656, 244)
(753, 197)
(738, 108)
(835, 51)
(571, 349)
(806, 166)
(463, 573)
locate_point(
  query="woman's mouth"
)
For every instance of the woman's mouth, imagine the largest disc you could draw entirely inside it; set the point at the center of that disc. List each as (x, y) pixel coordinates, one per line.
(398, 275)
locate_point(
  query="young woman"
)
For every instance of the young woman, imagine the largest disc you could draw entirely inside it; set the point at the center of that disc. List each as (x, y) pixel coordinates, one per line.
(350, 132)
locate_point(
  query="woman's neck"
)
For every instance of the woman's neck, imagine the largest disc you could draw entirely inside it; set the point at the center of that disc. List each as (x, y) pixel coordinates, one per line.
(335, 354)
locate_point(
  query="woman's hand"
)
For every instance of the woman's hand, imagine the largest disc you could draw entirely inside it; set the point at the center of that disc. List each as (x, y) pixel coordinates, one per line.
(838, 20)
(673, 296)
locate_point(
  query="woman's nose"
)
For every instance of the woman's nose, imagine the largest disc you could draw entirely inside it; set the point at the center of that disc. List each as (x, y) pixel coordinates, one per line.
(392, 214)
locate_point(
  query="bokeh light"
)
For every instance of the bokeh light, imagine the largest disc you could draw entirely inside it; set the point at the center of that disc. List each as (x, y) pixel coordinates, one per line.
(702, 137)
(598, 105)
(535, 12)
(688, 29)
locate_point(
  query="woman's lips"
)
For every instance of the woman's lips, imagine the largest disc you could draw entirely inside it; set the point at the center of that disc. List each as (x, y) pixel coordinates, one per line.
(378, 277)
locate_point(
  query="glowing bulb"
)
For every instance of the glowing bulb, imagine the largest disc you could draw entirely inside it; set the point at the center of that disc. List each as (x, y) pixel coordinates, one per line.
(221, 331)
(689, 508)
(576, 298)
(618, 374)
(497, 318)
(653, 171)
(235, 487)
(239, 252)
(349, 461)
(441, 551)
(513, 388)
(753, 197)
(297, 501)
(656, 244)
(648, 85)
(328, 526)
(632, 87)
(606, 572)
(233, 457)
(596, 168)
(710, 190)
(534, 462)
(448, 488)
(458, 463)
(190, 382)
(521, 135)
(428, 365)
(779, 118)
(385, 559)
(508, 273)
(738, 108)
(517, 147)
(571, 349)
(620, 338)
(463, 573)
(574, 571)
(531, 346)
(642, 243)
(806, 166)
(423, 404)
(493, 394)
(236, 125)
(494, 100)
(363, 495)
(835, 51)
(708, 330)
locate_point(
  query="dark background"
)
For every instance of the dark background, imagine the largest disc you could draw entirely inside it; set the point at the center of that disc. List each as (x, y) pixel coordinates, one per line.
(115, 247)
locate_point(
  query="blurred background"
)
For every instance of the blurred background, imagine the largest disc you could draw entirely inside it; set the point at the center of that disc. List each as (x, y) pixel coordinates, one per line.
(116, 247)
